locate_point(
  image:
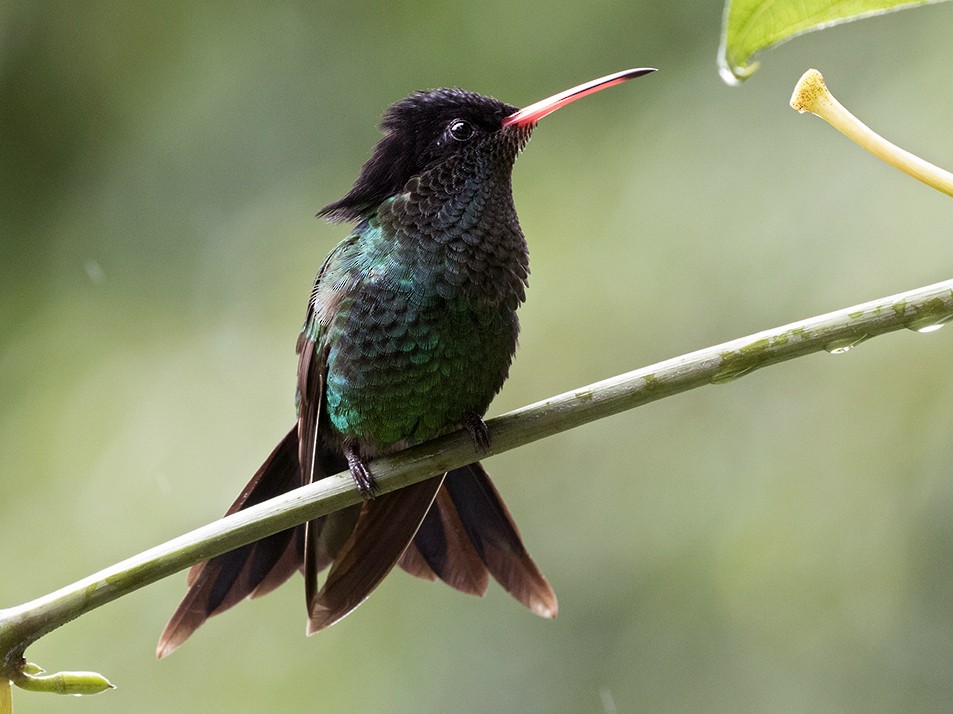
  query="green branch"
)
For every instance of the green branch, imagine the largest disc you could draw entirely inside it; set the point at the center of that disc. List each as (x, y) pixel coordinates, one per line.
(922, 310)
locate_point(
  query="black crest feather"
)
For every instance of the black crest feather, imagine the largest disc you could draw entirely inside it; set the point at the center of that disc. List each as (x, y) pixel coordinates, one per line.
(413, 141)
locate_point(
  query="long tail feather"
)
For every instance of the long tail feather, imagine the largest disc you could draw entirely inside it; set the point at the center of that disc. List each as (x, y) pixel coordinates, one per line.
(455, 528)
(413, 562)
(383, 530)
(444, 547)
(254, 569)
(496, 539)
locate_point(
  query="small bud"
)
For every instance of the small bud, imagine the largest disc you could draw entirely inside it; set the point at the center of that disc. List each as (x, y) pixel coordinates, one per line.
(32, 678)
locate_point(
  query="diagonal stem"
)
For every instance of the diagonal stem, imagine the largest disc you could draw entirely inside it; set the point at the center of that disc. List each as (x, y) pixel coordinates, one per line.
(923, 309)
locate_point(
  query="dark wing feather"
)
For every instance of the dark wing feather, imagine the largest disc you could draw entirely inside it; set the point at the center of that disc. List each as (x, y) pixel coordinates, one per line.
(494, 536)
(257, 568)
(312, 362)
(385, 527)
(315, 459)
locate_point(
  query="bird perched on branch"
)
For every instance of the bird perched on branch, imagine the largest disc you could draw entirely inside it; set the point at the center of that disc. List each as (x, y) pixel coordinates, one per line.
(409, 334)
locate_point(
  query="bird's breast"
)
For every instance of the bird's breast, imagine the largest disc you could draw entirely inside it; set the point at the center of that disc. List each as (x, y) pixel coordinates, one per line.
(423, 327)
(406, 366)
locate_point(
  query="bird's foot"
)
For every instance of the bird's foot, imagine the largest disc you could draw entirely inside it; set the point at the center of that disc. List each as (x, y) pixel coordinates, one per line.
(479, 432)
(361, 474)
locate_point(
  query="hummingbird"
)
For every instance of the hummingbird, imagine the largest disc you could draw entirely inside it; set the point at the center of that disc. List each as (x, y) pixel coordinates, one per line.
(410, 331)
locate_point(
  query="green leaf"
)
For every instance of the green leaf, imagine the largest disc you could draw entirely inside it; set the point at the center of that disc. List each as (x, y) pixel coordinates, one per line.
(751, 26)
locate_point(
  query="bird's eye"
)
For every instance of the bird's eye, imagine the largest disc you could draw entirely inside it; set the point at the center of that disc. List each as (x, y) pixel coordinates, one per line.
(461, 130)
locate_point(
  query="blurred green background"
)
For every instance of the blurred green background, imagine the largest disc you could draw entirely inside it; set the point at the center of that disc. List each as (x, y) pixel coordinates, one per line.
(782, 543)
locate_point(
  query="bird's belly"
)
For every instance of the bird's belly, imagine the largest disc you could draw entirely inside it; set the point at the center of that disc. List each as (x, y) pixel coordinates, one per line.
(403, 375)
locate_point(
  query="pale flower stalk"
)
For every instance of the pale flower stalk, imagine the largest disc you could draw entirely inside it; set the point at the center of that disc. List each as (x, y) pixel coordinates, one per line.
(812, 95)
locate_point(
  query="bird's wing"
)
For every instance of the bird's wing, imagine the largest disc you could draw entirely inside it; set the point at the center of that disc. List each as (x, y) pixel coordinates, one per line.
(312, 353)
(323, 537)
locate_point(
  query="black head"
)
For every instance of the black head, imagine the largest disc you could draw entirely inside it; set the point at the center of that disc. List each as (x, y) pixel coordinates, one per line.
(421, 131)
(428, 128)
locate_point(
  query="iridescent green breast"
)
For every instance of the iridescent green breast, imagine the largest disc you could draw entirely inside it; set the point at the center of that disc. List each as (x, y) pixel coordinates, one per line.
(403, 368)
(408, 352)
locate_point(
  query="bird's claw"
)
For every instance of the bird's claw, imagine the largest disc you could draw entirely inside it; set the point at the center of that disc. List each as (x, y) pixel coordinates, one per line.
(479, 432)
(362, 475)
